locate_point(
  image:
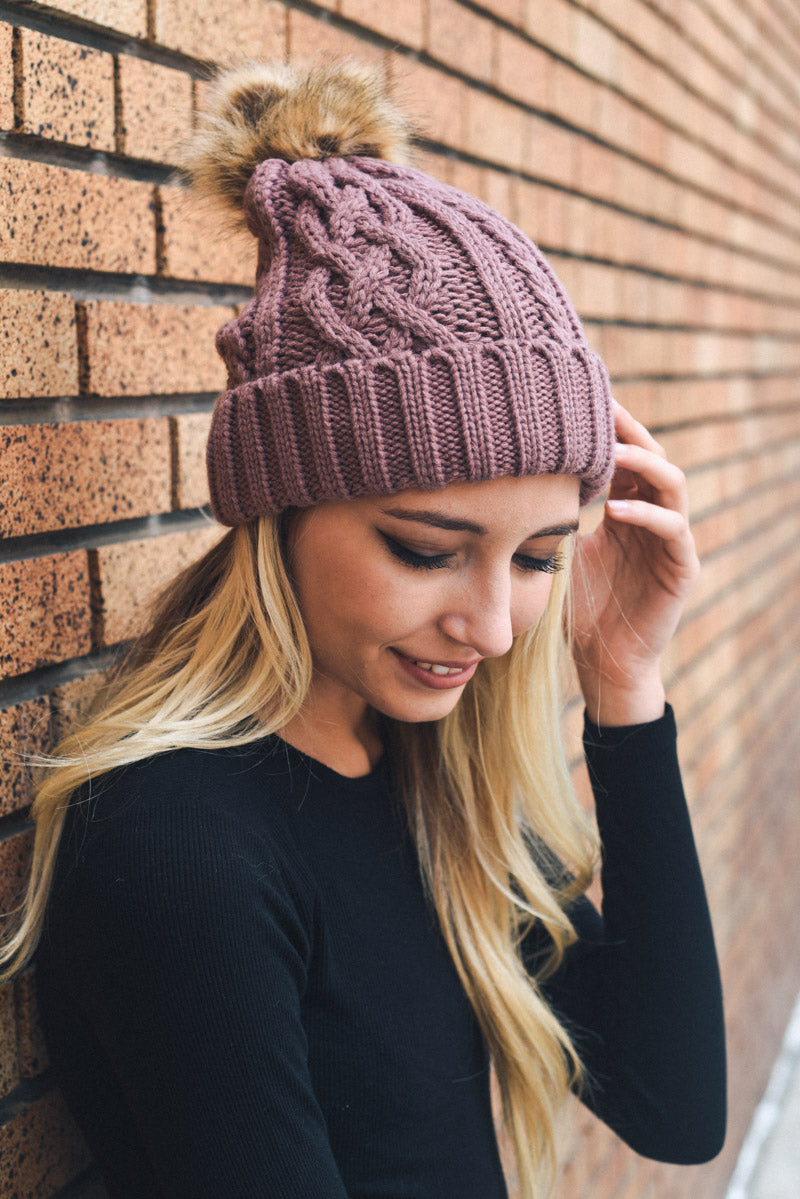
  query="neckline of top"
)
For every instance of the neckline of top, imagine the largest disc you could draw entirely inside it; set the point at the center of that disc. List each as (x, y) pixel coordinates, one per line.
(319, 770)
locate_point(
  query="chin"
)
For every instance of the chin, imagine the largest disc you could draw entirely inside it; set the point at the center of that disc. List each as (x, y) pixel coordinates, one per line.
(420, 710)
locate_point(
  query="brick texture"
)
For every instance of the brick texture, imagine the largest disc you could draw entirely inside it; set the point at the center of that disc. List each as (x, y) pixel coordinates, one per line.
(403, 21)
(71, 218)
(190, 434)
(156, 104)
(67, 91)
(125, 16)
(136, 349)
(38, 344)
(42, 1150)
(24, 731)
(254, 28)
(85, 473)
(6, 76)
(44, 611)
(128, 577)
(197, 245)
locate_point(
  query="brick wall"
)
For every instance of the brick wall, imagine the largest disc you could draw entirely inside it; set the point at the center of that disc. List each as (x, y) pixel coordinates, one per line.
(651, 148)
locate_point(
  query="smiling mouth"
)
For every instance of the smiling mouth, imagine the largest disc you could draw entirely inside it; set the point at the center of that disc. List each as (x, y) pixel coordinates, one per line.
(441, 668)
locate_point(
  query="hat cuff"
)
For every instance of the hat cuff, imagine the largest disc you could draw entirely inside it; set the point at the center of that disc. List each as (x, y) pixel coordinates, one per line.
(468, 411)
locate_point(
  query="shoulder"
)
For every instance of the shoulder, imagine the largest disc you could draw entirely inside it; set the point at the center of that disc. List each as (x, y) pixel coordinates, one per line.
(194, 826)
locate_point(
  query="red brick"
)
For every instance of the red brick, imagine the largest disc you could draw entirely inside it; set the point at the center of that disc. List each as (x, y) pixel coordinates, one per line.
(460, 38)
(403, 21)
(68, 218)
(9, 1061)
(509, 10)
(156, 103)
(551, 152)
(24, 730)
(433, 99)
(130, 575)
(550, 23)
(85, 472)
(127, 16)
(191, 480)
(33, 1057)
(522, 71)
(41, 1149)
(493, 130)
(198, 243)
(136, 349)
(44, 611)
(71, 703)
(6, 76)
(38, 344)
(594, 47)
(575, 98)
(67, 91)
(309, 38)
(253, 28)
(15, 854)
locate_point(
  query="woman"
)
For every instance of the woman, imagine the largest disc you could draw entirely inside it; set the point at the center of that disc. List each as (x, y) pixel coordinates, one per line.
(317, 862)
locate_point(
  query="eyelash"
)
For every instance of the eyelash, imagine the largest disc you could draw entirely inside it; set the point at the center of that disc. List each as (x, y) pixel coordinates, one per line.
(437, 561)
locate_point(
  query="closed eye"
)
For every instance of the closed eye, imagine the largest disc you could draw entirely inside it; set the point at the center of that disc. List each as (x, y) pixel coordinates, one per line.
(419, 561)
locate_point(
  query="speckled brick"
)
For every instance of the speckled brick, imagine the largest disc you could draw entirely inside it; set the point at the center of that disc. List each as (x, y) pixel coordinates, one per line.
(67, 91)
(138, 349)
(6, 76)
(131, 574)
(44, 611)
(41, 1150)
(403, 20)
(156, 106)
(190, 435)
(15, 856)
(32, 1051)
(82, 473)
(9, 1060)
(198, 243)
(38, 344)
(70, 703)
(57, 217)
(522, 70)
(127, 16)
(460, 38)
(215, 28)
(309, 38)
(24, 730)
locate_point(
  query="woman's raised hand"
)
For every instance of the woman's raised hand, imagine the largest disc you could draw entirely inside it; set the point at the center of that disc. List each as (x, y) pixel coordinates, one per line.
(632, 577)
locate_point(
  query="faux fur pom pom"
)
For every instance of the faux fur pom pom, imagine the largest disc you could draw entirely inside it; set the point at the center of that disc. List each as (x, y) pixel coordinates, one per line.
(270, 110)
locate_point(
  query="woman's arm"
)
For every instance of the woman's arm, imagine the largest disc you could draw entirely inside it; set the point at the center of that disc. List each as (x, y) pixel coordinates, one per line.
(640, 990)
(178, 946)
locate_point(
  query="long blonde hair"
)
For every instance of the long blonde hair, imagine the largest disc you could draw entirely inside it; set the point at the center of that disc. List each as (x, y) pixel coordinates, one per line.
(226, 659)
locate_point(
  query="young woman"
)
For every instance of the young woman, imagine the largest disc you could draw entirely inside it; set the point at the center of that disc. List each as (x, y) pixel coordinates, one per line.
(316, 862)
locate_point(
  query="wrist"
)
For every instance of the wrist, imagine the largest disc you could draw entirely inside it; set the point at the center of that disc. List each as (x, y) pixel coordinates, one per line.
(612, 706)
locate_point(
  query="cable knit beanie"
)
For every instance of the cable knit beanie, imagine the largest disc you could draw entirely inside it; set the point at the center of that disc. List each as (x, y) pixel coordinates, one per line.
(402, 334)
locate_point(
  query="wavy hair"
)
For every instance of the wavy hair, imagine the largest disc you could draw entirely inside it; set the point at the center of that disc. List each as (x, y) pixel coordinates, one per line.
(489, 800)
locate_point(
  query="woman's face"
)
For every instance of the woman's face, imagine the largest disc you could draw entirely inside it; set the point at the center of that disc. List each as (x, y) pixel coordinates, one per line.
(403, 595)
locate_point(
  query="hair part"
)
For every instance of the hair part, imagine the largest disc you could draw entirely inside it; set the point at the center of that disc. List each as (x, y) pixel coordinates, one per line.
(226, 660)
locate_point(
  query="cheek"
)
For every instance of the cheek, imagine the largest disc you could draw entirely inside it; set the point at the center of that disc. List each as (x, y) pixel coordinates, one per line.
(529, 603)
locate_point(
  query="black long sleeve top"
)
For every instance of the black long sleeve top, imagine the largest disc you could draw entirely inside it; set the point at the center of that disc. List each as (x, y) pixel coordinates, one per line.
(245, 993)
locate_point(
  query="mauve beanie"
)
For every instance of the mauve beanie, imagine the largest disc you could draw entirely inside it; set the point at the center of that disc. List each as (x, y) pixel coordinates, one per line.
(402, 335)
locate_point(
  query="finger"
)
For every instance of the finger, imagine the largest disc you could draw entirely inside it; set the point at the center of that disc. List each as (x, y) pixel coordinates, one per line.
(669, 526)
(667, 481)
(633, 432)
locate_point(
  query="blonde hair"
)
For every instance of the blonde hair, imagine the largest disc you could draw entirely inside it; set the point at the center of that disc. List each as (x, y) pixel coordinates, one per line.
(488, 794)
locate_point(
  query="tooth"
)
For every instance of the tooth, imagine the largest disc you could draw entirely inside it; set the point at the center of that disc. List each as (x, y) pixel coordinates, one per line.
(441, 669)
(424, 665)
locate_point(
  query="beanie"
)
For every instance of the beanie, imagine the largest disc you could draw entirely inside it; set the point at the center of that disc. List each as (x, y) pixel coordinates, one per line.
(402, 334)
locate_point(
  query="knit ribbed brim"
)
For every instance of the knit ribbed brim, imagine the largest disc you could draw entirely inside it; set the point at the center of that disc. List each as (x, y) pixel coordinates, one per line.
(363, 426)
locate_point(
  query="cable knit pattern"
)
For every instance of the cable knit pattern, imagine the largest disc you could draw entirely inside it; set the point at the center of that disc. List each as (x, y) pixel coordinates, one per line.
(402, 335)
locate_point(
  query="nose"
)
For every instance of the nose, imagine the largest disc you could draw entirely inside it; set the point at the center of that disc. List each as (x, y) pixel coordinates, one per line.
(480, 617)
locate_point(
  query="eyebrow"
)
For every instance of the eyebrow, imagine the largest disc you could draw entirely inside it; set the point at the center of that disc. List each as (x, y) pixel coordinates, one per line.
(438, 520)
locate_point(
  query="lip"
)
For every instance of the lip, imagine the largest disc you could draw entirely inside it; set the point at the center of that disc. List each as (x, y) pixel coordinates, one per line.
(438, 682)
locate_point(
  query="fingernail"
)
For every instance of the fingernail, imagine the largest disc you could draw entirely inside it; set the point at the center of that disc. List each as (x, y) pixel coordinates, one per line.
(618, 505)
